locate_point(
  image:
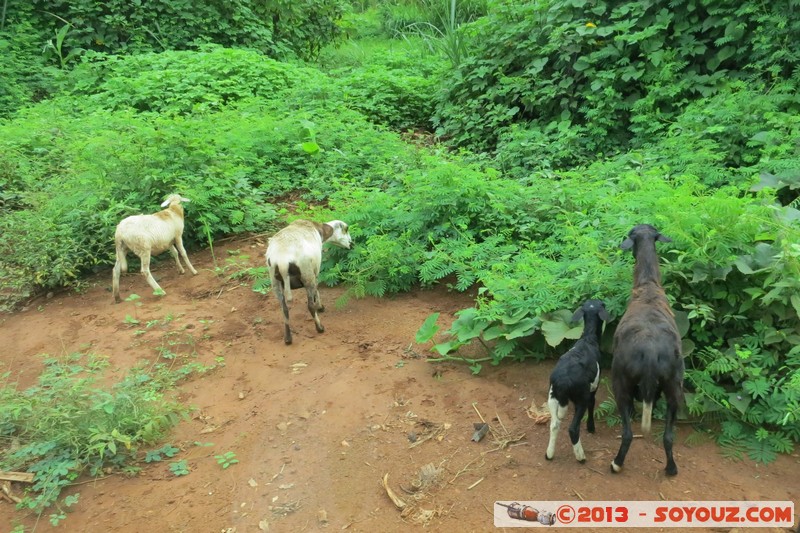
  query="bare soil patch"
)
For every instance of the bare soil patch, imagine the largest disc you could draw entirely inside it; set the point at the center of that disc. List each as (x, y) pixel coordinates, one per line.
(316, 426)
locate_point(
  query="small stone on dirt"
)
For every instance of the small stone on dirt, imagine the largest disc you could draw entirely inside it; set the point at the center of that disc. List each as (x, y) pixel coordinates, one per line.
(322, 517)
(253, 483)
(263, 525)
(345, 443)
(282, 426)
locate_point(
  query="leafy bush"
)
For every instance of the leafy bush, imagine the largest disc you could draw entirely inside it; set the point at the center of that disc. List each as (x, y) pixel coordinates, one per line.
(394, 97)
(613, 69)
(67, 424)
(278, 28)
(180, 82)
(23, 71)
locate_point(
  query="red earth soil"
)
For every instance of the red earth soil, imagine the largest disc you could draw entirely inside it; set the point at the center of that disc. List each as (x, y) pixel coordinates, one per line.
(317, 425)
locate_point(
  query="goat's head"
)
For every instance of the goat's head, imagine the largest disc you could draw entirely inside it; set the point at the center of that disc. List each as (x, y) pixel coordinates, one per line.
(337, 232)
(174, 198)
(641, 234)
(592, 307)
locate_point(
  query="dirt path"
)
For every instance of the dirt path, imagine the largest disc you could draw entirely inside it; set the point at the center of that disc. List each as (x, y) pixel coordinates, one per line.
(316, 425)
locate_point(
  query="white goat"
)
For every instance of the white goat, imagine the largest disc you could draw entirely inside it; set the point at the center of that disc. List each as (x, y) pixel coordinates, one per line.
(294, 256)
(147, 235)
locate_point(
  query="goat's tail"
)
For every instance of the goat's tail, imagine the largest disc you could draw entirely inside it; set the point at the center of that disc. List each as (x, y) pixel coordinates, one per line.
(283, 268)
(647, 417)
(648, 387)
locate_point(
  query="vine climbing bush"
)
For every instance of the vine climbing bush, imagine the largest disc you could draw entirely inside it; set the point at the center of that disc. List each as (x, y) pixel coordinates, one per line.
(278, 28)
(619, 71)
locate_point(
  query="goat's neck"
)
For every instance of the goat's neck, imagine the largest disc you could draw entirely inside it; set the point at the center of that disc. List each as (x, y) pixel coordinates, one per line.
(592, 328)
(646, 269)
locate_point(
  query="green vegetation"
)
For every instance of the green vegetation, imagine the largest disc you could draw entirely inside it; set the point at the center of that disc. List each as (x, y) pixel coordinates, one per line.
(559, 125)
(69, 423)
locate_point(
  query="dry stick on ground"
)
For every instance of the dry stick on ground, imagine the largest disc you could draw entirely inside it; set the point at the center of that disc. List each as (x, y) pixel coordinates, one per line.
(24, 477)
(467, 466)
(502, 440)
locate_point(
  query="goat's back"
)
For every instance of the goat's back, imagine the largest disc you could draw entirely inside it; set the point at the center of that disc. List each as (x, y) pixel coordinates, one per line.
(297, 242)
(647, 345)
(154, 233)
(575, 372)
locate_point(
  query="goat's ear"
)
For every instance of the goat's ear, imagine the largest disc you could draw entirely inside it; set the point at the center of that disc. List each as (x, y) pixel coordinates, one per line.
(165, 203)
(663, 238)
(627, 244)
(185, 199)
(325, 230)
(604, 316)
(578, 315)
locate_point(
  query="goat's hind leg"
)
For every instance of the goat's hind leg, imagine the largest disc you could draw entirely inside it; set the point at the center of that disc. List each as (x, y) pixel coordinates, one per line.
(672, 395)
(575, 432)
(277, 286)
(314, 304)
(556, 414)
(590, 412)
(625, 407)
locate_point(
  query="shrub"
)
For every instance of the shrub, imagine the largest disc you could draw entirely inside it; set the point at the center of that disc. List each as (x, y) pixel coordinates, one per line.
(181, 82)
(613, 69)
(67, 424)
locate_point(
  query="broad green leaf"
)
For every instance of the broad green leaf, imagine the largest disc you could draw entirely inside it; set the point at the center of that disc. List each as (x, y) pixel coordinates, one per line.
(428, 329)
(739, 401)
(310, 147)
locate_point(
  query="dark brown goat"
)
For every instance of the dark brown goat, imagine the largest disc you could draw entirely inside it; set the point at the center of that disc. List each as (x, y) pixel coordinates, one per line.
(647, 348)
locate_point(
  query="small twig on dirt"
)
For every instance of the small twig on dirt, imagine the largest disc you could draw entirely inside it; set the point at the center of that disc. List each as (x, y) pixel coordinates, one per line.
(279, 473)
(635, 436)
(234, 288)
(487, 509)
(475, 484)
(479, 413)
(466, 466)
(501, 423)
(6, 493)
(595, 470)
(220, 292)
(578, 494)
(23, 477)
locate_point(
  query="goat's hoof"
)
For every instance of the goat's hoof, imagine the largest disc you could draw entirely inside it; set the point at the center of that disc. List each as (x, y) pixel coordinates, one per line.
(615, 469)
(671, 471)
(194, 272)
(287, 341)
(548, 458)
(320, 329)
(321, 309)
(581, 461)
(590, 430)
